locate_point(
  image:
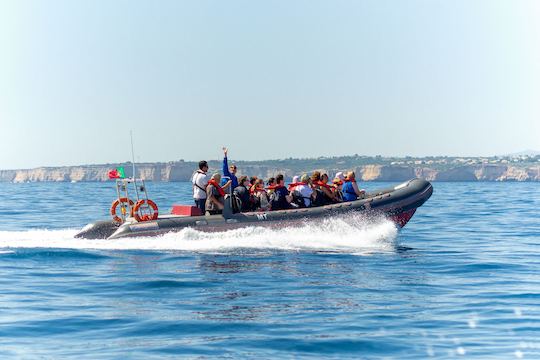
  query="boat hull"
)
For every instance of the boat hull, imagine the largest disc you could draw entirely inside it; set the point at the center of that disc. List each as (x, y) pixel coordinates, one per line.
(397, 204)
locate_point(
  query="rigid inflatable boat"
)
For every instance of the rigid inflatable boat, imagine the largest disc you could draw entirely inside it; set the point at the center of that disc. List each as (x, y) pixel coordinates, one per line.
(397, 204)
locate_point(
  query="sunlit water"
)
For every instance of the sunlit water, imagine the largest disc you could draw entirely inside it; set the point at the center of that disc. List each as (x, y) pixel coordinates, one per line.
(461, 280)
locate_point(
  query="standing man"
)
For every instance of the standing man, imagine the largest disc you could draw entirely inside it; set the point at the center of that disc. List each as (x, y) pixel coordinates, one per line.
(200, 181)
(230, 174)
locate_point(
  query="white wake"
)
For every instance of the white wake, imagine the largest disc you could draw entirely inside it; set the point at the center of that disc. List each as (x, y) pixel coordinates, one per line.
(351, 234)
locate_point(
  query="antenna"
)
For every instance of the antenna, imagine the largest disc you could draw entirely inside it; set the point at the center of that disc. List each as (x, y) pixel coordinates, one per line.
(132, 153)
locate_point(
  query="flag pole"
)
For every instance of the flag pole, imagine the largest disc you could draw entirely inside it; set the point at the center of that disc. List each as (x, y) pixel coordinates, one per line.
(133, 163)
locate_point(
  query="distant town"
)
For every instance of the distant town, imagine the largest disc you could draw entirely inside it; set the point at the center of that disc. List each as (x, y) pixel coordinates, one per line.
(440, 162)
(452, 161)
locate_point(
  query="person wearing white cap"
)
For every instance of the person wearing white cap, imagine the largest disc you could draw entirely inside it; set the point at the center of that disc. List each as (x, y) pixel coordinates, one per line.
(337, 183)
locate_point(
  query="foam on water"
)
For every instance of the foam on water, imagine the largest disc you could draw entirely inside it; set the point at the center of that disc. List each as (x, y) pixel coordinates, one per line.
(351, 234)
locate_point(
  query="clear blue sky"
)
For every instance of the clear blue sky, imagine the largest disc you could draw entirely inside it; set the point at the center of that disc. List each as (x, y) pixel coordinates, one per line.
(268, 79)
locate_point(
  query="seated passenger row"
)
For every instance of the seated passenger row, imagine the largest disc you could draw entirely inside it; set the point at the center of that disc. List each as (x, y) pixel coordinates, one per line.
(308, 191)
(250, 194)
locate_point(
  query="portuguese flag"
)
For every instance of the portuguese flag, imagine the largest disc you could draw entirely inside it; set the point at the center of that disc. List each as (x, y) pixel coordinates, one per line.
(117, 173)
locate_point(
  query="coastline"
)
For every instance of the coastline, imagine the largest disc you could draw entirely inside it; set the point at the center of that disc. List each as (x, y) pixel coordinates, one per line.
(366, 168)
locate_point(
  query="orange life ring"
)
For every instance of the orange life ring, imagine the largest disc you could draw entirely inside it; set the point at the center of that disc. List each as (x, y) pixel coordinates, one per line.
(150, 210)
(124, 201)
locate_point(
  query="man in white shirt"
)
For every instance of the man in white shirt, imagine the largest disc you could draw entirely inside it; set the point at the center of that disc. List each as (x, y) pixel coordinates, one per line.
(200, 181)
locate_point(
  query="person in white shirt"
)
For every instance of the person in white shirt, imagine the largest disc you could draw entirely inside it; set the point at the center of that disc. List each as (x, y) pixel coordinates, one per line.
(305, 190)
(200, 181)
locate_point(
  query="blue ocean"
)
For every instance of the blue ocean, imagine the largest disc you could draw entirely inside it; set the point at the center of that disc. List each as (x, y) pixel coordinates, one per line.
(461, 280)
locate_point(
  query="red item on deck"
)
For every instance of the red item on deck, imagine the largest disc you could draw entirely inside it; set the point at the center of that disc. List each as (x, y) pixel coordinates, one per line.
(186, 210)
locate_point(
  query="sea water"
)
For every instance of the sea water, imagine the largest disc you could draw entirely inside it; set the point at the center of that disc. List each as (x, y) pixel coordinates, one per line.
(461, 280)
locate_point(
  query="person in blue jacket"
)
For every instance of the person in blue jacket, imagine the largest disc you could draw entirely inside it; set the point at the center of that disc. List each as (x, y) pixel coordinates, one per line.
(350, 188)
(229, 172)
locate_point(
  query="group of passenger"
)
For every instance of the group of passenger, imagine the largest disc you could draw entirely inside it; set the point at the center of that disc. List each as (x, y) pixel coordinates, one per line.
(251, 194)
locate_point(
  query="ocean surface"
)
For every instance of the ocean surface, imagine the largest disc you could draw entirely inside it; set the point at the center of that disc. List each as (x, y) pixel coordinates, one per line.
(461, 280)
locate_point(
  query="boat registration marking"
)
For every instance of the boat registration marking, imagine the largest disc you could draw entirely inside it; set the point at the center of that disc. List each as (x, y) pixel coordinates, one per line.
(150, 225)
(262, 216)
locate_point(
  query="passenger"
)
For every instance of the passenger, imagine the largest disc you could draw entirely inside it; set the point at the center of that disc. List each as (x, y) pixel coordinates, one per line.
(260, 196)
(340, 176)
(350, 188)
(229, 172)
(242, 192)
(315, 178)
(305, 191)
(199, 180)
(280, 198)
(337, 185)
(271, 185)
(318, 199)
(252, 181)
(215, 195)
(328, 194)
(295, 182)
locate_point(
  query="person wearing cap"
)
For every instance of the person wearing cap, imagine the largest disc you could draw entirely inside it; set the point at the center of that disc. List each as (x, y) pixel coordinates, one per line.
(340, 177)
(295, 182)
(199, 181)
(229, 171)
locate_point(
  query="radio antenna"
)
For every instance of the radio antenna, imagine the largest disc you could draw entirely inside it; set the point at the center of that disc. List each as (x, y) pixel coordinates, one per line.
(132, 153)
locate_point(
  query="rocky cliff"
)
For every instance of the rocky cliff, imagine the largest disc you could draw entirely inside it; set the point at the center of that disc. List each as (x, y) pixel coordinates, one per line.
(181, 171)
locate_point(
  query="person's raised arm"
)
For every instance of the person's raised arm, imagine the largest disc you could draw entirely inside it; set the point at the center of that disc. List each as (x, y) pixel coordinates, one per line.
(225, 163)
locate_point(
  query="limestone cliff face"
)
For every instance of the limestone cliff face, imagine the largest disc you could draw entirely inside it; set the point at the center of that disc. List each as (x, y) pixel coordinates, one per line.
(385, 173)
(462, 173)
(182, 171)
(507, 173)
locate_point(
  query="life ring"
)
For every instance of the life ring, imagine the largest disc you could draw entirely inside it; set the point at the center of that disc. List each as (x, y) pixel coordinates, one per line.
(148, 212)
(124, 201)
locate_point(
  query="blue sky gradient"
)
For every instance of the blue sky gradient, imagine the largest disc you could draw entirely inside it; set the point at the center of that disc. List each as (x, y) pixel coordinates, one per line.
(268, 79)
